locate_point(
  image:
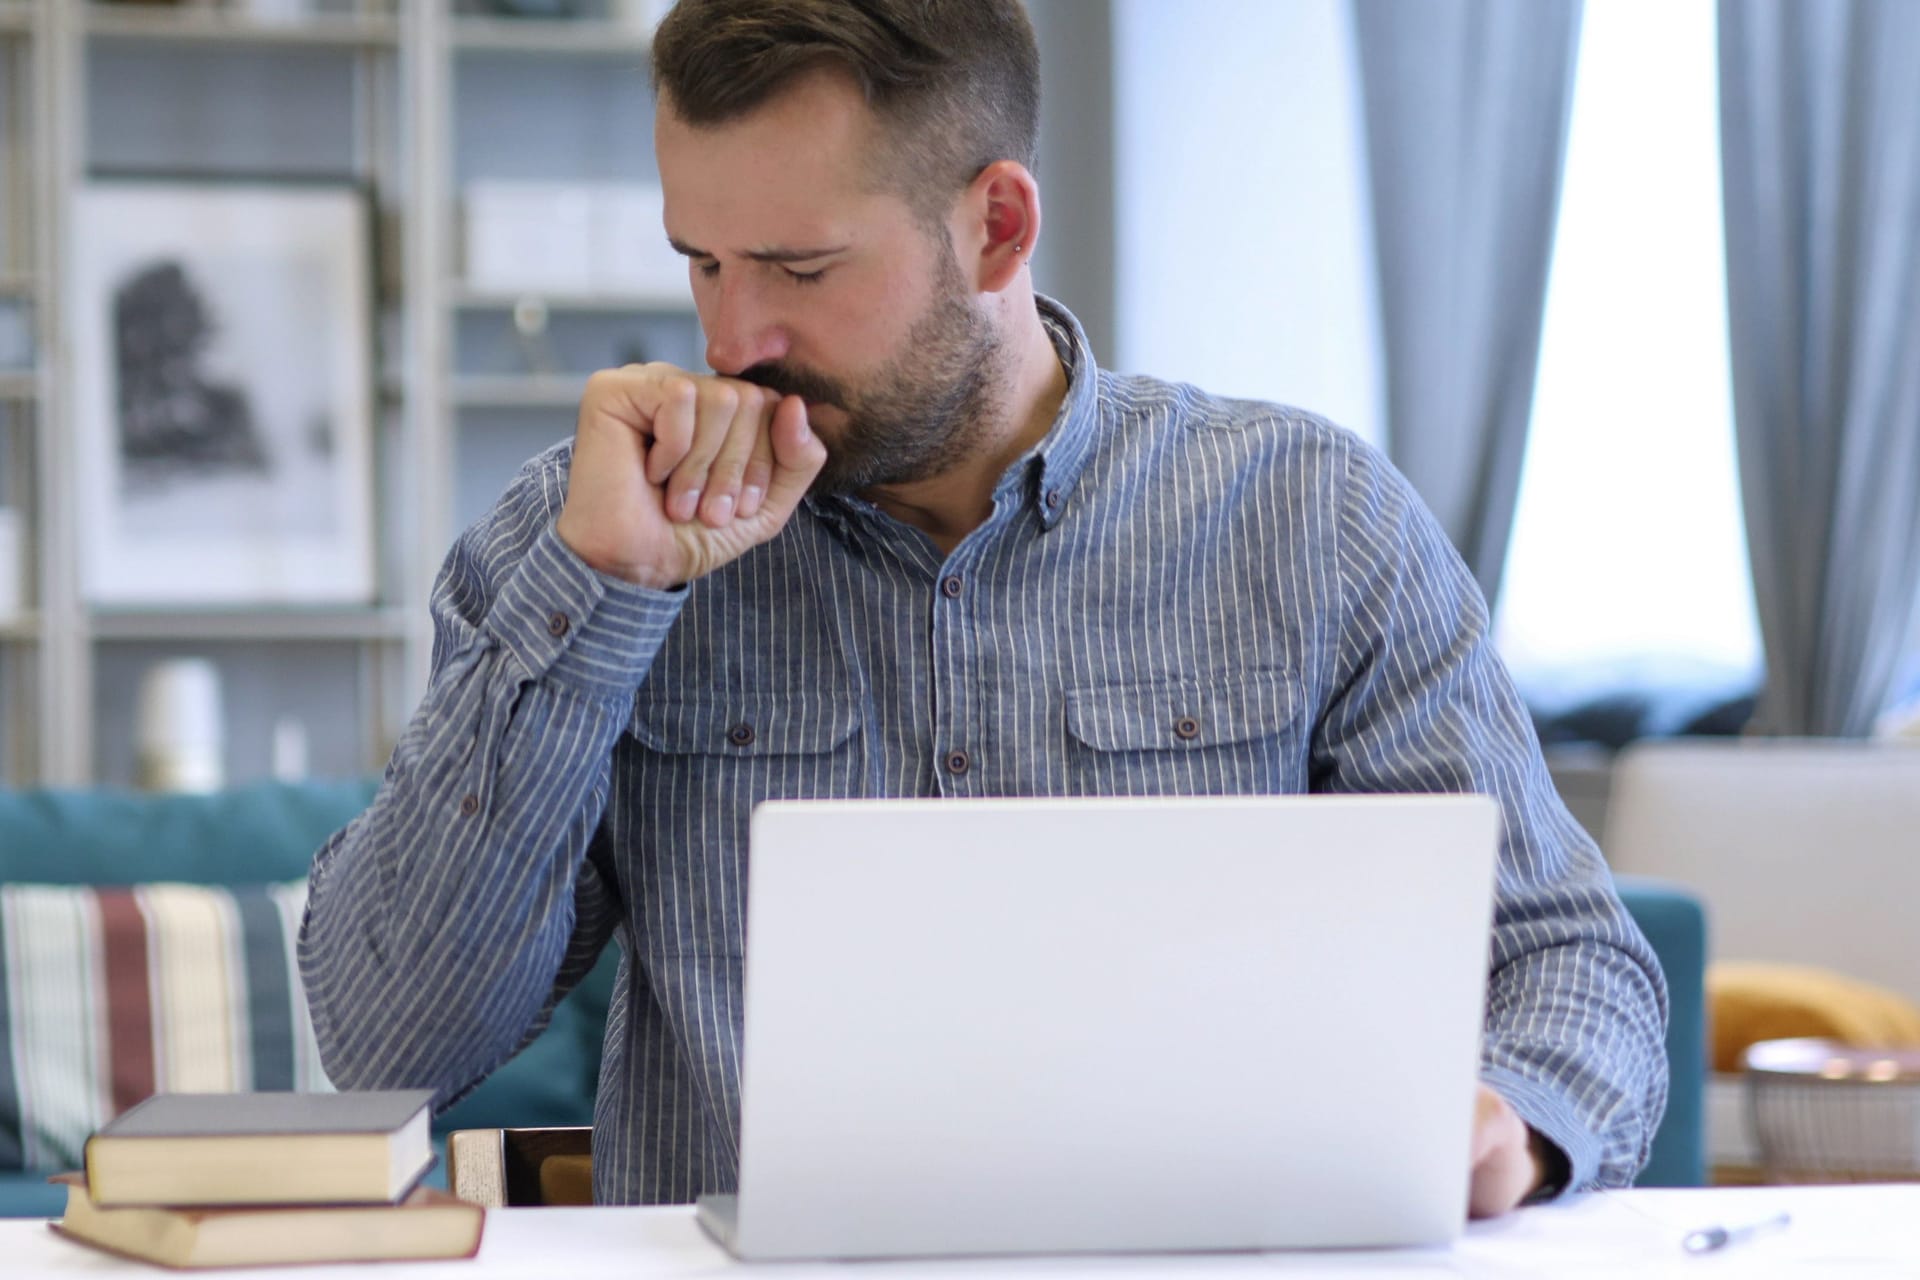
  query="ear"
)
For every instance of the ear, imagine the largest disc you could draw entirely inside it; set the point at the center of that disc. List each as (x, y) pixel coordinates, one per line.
(998, 225)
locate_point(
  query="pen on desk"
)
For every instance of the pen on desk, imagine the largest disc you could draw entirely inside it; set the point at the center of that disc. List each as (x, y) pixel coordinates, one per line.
(1707, 1239)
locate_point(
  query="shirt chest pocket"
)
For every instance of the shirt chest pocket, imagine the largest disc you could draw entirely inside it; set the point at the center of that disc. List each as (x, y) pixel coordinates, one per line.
(746, 727)
(710, 758)
(1232, 733)
(697, 767)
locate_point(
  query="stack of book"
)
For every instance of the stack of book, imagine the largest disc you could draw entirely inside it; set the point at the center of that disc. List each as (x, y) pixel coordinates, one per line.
(253, 1179)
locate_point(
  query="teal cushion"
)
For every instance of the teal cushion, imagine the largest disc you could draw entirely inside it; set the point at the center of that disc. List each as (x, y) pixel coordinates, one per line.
(111, 994)
(1676, 926)
(248, 835)
(30, 1195)
(262, 832)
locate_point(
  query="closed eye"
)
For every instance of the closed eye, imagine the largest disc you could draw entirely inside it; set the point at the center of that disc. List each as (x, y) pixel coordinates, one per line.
(710, 269)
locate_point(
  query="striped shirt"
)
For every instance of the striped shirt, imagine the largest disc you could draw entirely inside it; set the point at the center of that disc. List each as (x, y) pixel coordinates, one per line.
(1174, 594)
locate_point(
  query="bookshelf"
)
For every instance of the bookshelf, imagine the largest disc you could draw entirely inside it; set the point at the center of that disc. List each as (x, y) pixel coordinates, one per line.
(413, 100)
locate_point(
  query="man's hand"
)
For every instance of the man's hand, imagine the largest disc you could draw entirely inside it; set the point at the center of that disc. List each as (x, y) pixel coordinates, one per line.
(1506, 1165)
(675, 474)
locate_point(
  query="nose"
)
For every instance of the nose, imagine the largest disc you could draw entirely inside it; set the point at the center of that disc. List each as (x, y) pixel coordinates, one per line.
(741, 330)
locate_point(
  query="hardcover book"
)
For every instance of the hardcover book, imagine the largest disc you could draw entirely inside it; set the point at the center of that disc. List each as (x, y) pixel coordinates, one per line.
(228, 1149)
(427, 1224)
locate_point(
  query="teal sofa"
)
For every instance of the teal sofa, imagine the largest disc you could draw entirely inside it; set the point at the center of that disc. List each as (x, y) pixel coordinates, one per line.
(62, 856)
(266, 834)
(1676, 926)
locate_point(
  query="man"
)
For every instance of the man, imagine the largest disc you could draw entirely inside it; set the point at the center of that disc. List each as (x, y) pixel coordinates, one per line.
(909, 541)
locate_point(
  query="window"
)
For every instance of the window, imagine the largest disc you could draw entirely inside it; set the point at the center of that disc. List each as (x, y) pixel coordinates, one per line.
(1628, 564)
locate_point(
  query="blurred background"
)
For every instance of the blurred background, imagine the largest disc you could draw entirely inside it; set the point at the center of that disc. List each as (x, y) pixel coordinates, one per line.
(290, 288)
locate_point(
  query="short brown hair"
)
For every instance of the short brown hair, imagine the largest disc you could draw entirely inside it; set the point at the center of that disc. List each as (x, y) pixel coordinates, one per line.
(955, 83)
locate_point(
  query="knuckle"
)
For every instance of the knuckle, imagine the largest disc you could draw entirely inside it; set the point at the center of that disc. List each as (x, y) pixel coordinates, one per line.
(723, 396)
(678, 388)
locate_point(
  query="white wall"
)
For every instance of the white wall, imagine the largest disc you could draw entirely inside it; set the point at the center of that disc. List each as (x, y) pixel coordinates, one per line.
(1243, 259)
(1074, 260)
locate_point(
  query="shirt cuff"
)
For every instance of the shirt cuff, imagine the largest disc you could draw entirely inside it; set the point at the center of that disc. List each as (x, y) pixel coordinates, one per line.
(1547, 1113)
(578, 628)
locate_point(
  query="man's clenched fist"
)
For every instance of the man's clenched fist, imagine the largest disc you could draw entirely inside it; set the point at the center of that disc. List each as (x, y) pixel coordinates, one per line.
(675, 473)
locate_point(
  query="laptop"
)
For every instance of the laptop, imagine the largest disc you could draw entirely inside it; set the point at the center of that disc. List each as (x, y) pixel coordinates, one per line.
(1115, 1025)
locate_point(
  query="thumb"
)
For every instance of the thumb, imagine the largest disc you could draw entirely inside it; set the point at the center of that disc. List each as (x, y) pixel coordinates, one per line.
(1495, 1124)
(798, 455)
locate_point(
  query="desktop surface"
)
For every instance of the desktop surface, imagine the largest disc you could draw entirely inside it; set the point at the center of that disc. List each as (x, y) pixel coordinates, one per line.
(1856, 1231)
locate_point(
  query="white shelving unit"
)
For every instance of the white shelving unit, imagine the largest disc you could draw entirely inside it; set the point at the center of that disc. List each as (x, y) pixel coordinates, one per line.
(465, 299)
(565, 37)
(532, 391)
(497, 414)
(30, 669)
(345, 29)
(455, 403)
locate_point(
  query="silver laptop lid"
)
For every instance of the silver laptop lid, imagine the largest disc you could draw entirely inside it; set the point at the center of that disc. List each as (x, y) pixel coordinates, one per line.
(1111, 1025)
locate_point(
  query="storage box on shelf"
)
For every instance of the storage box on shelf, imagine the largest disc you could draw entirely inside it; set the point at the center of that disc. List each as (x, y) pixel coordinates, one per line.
(552, 261)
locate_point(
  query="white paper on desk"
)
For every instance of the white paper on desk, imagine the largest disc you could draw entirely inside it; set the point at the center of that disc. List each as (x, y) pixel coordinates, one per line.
(1851, 1232)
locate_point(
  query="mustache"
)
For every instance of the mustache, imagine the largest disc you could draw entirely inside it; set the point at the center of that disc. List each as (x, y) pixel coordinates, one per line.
(788, 380)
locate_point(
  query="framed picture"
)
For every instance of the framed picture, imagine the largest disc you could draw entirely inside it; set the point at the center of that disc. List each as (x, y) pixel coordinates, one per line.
(223, 402)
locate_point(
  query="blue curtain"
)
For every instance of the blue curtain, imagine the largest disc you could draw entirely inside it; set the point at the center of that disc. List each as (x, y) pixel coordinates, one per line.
(1820, 136)
(1467, 104)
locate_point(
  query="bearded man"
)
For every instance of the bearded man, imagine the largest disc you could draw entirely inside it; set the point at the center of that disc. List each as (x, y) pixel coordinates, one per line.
(903, 528)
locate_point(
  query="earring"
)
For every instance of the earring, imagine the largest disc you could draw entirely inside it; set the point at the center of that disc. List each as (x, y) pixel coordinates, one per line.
(1019, 248)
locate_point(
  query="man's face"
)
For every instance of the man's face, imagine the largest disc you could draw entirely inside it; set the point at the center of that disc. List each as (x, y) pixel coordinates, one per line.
(811, 282)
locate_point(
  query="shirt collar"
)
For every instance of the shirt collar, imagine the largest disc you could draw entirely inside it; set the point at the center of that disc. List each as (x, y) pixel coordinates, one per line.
(1062, 453)
(1060, 457)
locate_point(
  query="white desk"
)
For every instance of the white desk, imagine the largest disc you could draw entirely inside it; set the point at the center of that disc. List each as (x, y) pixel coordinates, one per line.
(1855, 1232)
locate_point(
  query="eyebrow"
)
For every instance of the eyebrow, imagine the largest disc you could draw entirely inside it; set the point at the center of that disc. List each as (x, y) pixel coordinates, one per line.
(763, 255)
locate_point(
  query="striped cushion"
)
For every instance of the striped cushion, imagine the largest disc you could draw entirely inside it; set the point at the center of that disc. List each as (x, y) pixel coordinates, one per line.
(108, 995)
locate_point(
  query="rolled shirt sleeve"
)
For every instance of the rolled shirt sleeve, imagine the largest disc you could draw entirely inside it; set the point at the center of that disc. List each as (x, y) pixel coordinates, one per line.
(444, 923)
(1576, 1003)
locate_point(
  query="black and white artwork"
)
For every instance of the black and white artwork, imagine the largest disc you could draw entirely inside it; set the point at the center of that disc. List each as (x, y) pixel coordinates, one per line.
(222, 345)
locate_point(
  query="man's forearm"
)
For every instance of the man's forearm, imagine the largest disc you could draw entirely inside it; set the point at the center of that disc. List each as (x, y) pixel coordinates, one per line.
(437, 921)
(1576, 1045)
(1575, 1037)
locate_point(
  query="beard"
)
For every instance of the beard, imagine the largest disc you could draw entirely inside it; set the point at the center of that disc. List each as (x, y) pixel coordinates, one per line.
(922, 413)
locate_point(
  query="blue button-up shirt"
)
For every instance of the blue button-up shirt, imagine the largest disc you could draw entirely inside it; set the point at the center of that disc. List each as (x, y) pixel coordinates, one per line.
(1174, 594)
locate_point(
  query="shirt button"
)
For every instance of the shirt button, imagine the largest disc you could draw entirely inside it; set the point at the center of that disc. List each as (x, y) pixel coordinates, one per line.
(957, 763)
(1186, 728)
(469, 804)
(1053, 499)
(741, 735)
(950, 586)
(557, 625)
